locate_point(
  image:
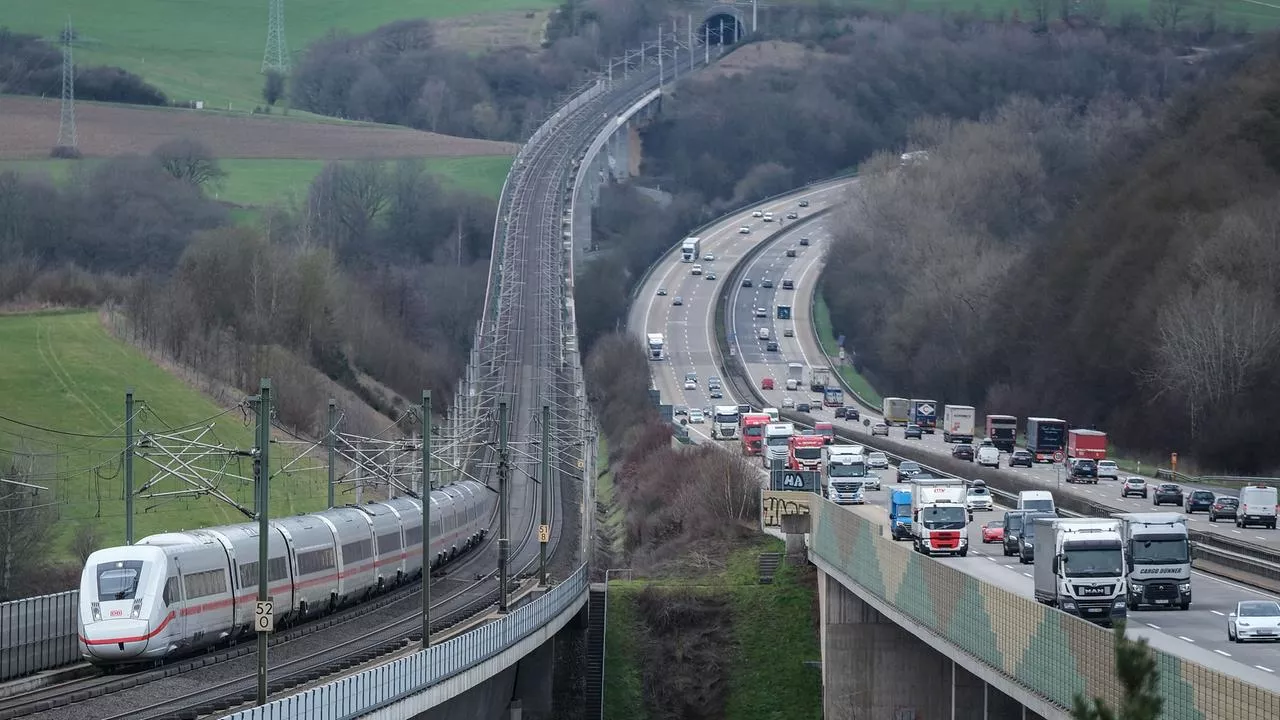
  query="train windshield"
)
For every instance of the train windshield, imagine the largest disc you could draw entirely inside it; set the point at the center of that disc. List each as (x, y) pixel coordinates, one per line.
(119, 580)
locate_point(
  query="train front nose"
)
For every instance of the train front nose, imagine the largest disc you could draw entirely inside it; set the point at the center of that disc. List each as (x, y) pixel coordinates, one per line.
(117, 640)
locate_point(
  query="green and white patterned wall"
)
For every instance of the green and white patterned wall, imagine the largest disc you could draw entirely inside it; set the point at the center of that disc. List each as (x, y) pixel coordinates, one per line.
(1051, 654)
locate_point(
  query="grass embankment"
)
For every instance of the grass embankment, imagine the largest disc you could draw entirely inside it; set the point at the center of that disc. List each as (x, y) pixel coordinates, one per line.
(827, 338)
(262, 182)
(212, 51)
(64, 371)
(720, 638)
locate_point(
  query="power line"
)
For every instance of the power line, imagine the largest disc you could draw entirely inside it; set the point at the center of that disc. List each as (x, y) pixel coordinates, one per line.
(276, 56)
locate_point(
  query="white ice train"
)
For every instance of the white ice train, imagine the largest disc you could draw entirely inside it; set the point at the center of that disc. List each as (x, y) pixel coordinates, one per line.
(175, 593)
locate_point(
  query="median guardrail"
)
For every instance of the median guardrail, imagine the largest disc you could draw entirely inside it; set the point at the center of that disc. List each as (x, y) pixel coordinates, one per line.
(1222, 552)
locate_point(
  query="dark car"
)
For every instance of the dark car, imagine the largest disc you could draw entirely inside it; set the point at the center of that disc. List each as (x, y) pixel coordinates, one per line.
(1025, 546)
(716, 393)
(744, 409)
(848, 413)
(1014, 521)
(802, 407)
(1224, 507)
(804, 203)
(911, 431)
(1167, 493)
(1021, 457)
(746, 282)
(793, 215)
(1200, 500)
(791, 252)
(772, 346)
(766, 283)
(804, 242)
(840, 411)
(908, 469)
(1083, 470)
(963, 451)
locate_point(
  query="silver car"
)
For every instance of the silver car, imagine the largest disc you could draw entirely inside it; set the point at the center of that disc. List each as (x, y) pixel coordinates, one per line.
(871, 481)
(1254, 620)
(878, 461)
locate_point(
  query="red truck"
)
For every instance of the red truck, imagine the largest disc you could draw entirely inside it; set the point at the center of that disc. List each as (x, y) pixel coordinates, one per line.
(751, 431)
(804, 452)
(1090, 444)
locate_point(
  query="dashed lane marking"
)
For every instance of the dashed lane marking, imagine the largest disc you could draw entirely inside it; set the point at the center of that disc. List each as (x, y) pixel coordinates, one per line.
(1184, 637)
(1223, 653)
(1153, 626)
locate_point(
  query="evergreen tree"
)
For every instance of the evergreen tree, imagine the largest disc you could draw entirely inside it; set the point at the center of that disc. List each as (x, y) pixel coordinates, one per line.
(1136, 670)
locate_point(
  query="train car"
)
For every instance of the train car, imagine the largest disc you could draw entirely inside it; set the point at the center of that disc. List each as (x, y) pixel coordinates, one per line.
(175, 593)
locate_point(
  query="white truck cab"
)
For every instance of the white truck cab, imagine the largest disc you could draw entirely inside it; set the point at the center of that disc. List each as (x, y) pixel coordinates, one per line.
(777, 440)
(1037, 500)
(1080, 567)
(773, 414)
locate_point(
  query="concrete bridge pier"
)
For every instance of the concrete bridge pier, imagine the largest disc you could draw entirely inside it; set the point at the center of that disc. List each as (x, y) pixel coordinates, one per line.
(873, 668)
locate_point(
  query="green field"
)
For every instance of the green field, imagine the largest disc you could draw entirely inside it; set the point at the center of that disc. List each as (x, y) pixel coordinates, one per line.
(827, 338)
(63, 371)
(213, 50)
(773, 638)
(1256, 14)
(257, 183)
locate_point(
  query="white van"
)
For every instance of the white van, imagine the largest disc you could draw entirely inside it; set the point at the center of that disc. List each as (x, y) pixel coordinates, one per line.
(772, 413)
(988, 456)
(1038, 500)
(1257, 506)
(793, 384)
(763, 334)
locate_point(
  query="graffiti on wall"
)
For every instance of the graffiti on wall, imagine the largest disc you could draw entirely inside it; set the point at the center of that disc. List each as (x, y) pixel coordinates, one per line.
(776, 503)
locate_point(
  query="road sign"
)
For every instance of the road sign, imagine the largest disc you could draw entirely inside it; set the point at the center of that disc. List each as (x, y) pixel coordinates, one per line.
(264, 619)
(1058, 456)
(581, 464)
(544, 533)
(800, 480)
(1173, 460)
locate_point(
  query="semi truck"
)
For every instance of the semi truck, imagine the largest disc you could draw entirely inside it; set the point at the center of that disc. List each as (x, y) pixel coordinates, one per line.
(690, 249)
(752, 432)
(819, 379)
(845, 474)
(1080, 567)
(724, 422)
(900, 512)
(657, 346)
(895, 410)
(804, 452)
(939, 517)
(833, 397)
(1158, 559)
(957, 423)
(1046, 436)
(1002, 431)
(777, 441)
(1090, 444)
(924, 414)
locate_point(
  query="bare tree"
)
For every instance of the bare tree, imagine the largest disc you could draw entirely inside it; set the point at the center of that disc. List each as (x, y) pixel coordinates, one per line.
(1038, 12)
(1169, 14)
(27, 516)
(188, 160)
(85, 541)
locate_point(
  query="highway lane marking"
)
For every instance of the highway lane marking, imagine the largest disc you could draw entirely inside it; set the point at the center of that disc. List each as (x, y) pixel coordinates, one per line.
(1264, 669)
(1153, 626)
(1184, 637)
(1216, 612)
(1027, 574)
(1223, 653)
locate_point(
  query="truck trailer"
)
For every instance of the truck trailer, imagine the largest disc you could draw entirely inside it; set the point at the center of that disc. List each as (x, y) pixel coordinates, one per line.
(657, 346)
(895, 410)
(924, 413)
(1158, 551)
(939, 517)
(1080, 567)
(1090, 444)
(795, 375)
(1002, 431)
(957, 423)
(1046, 436)
(819, 379)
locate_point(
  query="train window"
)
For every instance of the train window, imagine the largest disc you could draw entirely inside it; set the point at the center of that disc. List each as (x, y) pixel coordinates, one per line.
(170, 595)
(277, 568)
(413, 536)
(203, 584)
(118, 580)
(356, 551)
(315, 561)
(248, 574)
(389, 542)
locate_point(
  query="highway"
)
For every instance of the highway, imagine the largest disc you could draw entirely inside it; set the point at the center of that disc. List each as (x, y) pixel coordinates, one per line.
(1198, 634)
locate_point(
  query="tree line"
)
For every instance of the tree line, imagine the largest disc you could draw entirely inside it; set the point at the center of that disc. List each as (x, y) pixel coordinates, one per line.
(1115, 264)
(374, 281)
(31, 66)
(401, 73)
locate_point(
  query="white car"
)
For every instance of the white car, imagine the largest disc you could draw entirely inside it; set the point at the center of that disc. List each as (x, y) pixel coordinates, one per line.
(744, 230)
(768, 217)
(877, 461)
(1108, 469)
(979, 498)
(690, 385)
(708, 257)
(757, 214)
(695, 270)
(871, 481)
(762, 312)
(696, 417)
(1254, 620)
(788, 403)
(988, 456)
